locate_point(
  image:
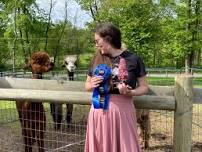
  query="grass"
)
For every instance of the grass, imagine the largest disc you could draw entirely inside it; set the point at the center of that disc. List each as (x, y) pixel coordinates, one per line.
(160, 81)
(167, 81)
(8, 105)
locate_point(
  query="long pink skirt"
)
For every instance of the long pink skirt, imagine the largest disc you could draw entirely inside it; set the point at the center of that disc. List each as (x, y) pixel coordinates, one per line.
(113, 130)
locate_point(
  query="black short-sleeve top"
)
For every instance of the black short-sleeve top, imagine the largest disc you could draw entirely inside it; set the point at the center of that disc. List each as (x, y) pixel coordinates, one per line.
(135, 68)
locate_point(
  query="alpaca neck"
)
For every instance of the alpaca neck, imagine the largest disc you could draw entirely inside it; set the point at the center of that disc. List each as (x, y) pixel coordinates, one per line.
(37, 76)
(71, 76)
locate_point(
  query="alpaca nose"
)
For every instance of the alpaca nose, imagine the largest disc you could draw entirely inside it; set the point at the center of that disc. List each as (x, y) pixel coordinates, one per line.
(72, 67)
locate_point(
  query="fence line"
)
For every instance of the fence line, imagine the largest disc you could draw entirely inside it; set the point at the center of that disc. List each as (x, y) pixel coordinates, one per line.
(151, 72)
(179, 98)
(60, 86)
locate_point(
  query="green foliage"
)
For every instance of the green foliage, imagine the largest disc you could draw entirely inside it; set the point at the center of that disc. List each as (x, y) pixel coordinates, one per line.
(24, 25)
(156, 30)
(162, 32)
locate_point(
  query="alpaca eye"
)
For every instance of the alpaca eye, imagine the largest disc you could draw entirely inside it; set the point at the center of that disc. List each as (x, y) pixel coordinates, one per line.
(66, 62)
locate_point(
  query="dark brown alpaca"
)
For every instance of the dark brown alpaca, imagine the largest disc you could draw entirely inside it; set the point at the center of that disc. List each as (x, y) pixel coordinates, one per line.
(144, 124)
(31, 114)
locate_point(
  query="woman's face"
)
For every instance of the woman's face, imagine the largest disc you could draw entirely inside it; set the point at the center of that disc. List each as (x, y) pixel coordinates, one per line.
(101, 45)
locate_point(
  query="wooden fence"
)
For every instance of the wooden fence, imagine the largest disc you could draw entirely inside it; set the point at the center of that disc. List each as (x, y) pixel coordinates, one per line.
(178, 98)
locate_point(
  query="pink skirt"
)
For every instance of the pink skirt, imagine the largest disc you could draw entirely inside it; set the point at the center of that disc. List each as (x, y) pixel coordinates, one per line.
(113, 130)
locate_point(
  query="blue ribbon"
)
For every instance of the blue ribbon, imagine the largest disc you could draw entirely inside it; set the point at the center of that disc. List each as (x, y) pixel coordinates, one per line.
(100, 98)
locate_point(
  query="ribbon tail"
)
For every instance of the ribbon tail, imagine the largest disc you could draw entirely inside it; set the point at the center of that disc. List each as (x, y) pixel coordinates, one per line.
(95, 99)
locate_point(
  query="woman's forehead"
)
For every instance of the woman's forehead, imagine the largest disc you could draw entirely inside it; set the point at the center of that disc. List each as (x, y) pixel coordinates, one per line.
(97, 36)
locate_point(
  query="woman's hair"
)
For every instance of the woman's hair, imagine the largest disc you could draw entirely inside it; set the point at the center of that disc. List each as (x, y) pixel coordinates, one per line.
(101, 59)
(110, 33)
(98, 58)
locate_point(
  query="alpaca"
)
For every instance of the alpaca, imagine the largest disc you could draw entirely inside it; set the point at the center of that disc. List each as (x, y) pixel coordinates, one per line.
(70, 65)
(144, 126)
(56, 109)
(31, 114)
(143, 119)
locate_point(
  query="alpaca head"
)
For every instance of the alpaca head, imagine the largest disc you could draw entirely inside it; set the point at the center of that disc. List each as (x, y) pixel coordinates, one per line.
(40, 62)
(70, 63)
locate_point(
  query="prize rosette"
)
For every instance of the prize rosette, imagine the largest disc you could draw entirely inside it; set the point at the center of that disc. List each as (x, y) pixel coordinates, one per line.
(100, 97)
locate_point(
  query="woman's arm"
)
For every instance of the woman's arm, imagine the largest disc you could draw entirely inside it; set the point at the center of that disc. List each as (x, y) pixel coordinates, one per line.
(92, 82)
(140, 90)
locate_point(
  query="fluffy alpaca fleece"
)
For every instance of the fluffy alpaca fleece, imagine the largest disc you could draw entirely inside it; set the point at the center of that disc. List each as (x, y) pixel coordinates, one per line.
(31, 114)
(144, 126)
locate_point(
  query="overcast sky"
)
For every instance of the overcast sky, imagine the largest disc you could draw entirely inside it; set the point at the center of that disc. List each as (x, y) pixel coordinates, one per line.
(58, 12)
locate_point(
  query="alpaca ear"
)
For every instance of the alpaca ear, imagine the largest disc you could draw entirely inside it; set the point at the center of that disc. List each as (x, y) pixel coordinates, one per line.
(76, 64)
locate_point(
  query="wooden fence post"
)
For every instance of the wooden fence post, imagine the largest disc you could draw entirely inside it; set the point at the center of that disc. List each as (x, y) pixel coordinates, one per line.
(183, 92)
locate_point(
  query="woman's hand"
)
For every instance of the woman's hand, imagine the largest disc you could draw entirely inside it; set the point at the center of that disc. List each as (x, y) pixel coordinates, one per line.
(124, 89)
(141, 89)
(93, 82)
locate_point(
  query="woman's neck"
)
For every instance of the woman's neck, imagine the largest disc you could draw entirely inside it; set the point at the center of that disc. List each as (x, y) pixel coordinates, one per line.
(116, 52)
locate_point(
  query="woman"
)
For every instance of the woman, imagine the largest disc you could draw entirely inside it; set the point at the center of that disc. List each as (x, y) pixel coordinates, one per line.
(114, 129)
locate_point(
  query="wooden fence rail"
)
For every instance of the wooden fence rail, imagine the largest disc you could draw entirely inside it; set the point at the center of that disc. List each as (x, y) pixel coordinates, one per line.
(146, 101)
(78, 86)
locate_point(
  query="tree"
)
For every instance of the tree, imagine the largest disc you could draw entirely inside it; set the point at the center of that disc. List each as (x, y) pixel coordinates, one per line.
(92, 6)
(48, 24)
(159, 31)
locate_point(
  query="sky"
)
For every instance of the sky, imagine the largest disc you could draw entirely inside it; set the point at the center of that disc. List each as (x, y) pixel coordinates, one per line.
(58, 11)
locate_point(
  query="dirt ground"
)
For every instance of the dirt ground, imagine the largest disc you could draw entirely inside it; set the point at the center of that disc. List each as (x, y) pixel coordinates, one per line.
(70, 138)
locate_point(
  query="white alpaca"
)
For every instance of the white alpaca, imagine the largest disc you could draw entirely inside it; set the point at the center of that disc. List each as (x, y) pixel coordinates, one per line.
(56, 109)
(70, 65)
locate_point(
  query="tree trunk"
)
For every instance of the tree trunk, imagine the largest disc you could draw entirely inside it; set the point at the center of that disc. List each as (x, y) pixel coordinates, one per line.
(14, 40)
(196, 31)
(195, 34)
(48, 25)
(199, 57)
(23, 47)
(28, 52)
(27, 46)
(154, 59)
(188, 60)
(61, 34)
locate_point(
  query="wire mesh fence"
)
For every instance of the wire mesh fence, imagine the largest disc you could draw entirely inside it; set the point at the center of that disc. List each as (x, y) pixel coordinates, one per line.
(71, 136)
(197, 127)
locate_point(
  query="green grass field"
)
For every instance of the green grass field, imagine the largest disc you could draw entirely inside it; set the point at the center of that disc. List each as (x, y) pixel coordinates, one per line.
(167, 81)
(160, 81)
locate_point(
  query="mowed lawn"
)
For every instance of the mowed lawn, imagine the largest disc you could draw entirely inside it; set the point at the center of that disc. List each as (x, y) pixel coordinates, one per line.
(168, 81)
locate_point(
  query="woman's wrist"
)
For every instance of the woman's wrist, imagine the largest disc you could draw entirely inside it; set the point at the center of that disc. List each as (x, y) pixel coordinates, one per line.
(89, 86)
(133, 92)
